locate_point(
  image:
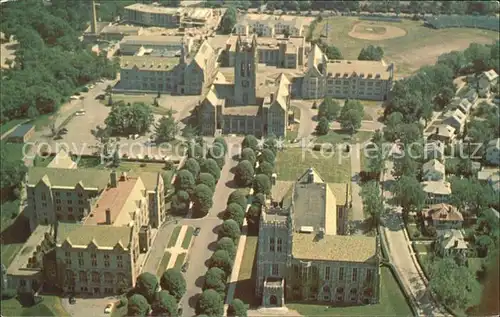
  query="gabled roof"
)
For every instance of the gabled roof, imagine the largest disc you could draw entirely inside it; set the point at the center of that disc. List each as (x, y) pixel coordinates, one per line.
(448, 239)
(437, 187)
(63, 177)
(62, 160)
(495, 143)
(433, 165)
(490, 75)
(204, 53)
(444, 212)
(78, 235)
(282, 91)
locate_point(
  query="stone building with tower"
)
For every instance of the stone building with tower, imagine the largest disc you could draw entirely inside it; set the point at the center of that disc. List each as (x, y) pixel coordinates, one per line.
(99, 227)
(345, 79)
(303, 254)
(247, 105)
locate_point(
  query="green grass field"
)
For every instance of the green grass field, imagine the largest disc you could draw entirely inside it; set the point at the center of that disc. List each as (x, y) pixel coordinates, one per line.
(174, 236)
(50, 306)
(187, 237)
(392, 303)
(180, 260)
(420, 46)
(332, 167)
(339, 136)
(14, 231)
(247, 274)
(163, 264)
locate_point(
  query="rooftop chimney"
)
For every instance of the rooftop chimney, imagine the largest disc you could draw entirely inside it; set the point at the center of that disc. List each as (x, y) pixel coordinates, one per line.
(123, 177)
(108, 216)
(272, 97)
(310, 176)
(113, 179)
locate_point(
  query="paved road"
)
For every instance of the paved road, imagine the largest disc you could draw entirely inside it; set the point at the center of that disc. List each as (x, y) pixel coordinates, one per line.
(202, 247)
(307, 114)
(366, 125)
(357, 204)
(401, 255)
(158, 247)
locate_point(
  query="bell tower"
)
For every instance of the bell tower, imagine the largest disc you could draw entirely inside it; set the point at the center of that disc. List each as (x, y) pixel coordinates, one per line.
(245, 72)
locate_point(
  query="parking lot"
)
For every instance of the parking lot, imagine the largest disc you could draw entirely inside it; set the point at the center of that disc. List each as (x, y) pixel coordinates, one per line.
(80, 137)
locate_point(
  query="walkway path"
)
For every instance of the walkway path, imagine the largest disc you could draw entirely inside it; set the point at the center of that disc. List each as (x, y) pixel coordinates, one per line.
(402, 256)
(357, 204)
(177, 248)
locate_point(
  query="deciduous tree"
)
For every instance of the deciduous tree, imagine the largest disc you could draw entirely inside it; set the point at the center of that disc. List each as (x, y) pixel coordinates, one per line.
(230, 229)
(167, 128)
(222, 260)
(202, 200)
(173, 282)
(210, 166)
(243, 174)
(207, 179)
(137, 306)
(147, 285)
(165, 304)
(184, 180)
(262, 184)
(210, 304)
(237, 308)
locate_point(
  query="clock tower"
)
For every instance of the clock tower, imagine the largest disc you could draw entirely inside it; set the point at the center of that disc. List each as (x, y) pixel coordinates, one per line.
(245, 72)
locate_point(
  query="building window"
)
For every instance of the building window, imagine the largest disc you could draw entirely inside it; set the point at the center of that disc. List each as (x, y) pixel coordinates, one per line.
(57, 194)
(70, 209)
(80, 202)
(58, 201)
(80, 195)
(44, 196)
(327, 273)
(68, 194)
(58, 208)
(96, 278)
(70, 201)
(83, 277)
(67, 254)
(271, 244)
(369, 275)
(353, 294)
(341, 274)
(80, 262)
(279, 246)
(274, 269)
(354, 274)
(44, 205)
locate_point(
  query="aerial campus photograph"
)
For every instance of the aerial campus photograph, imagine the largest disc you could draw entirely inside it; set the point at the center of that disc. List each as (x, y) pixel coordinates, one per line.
(243, 158)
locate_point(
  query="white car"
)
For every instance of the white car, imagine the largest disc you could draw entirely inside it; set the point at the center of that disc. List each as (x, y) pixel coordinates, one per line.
(80, 112)
(74, 97)
(91, 86)
(108, 308)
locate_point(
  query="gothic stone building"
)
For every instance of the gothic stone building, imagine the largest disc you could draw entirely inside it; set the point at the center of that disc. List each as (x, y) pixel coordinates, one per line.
(301, 255)
(238, 107)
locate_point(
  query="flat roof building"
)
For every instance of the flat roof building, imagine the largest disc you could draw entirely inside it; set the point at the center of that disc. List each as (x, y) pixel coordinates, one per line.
(22, 133)
(156, 15)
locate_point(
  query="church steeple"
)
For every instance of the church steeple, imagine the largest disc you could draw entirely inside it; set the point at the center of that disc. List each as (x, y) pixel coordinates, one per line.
(238, 43)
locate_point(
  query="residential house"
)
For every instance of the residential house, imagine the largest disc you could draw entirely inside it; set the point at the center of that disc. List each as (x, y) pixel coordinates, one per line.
(451, 242)
(239, 107)
(462, 104)
(471, 96)
(491, 177)
(443, 133)
(493, 152)
(487, 80)
(455, 118)
(301, 256)
(433, 170)
(434, 150)
(346, 79)
(436, 191)
(443, 216)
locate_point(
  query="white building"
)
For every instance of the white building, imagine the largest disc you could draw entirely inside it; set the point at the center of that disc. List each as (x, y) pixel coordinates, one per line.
(487, 80)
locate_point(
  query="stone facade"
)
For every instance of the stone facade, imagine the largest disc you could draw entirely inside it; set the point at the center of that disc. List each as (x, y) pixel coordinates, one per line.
(238, 107)
(313, 262)
(370, 80)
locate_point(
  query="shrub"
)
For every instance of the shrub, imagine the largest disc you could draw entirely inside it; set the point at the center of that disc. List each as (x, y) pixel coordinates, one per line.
(226, 244)
(210, 304)
(247, 154)
(243, 175)
(235, 212)
(184, 180)
(262, 184)
(202, 200)
(222, 260)
(237, 308)
(207, 179)
(230, 229)
(239, 198)
(192, 165)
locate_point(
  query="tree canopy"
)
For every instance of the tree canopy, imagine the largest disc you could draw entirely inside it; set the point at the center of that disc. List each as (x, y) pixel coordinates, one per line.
(243, 174)
(137, 306)
(173, 281)
(167, 128)
(229, 20)
(371, 53)
(329, 109)
(230, 229)
(147, 285)
(129, 119)
(351, 115)
(202, 200)
(210, 303)
(165, 304)
(51, 63)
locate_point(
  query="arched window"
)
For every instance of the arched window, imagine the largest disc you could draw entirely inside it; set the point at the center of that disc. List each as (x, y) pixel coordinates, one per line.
(108, 278)
(340, 290)
(271, 244)
(96, 277)
(353, 294)
(280, 243)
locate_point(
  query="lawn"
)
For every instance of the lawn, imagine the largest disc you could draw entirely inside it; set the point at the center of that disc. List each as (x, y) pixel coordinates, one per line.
(247, 274)
(333, 167)
(180, 260)
(42, 161)
(50, 306)
(340, 136)
(174, 236)
(392, 303)
(423, 248)
(141, 167)
(292, 134)
(420, 46)
(147, 99)
(475, 264)
(14, 231)
(163, 264)
(187, 238)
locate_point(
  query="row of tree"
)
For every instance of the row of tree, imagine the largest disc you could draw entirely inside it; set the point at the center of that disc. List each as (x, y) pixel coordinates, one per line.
(195, 182)
(211, 302)
(411, 7)
(50, 62)
(145, 297)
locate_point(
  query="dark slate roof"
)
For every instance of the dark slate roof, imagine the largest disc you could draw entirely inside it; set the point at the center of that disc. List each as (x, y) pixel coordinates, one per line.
(21, 130)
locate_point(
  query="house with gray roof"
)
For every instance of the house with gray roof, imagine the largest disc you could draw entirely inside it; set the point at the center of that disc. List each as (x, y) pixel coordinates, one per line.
(493, 152)
(455, 118)
(301, 254)
(433, 170)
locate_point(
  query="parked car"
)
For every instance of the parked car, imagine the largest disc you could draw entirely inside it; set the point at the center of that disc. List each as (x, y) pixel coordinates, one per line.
(100, 97)
(80, 112)
(197, 231)
(185, 267)
(179, 311)
(72, 300)
(64, 130)
(108, 308)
